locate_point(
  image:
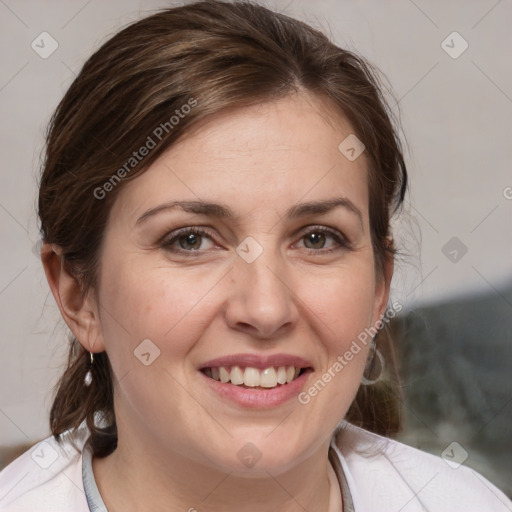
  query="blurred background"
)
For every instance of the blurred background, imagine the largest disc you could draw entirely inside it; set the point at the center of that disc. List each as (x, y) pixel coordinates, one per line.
(451, 87)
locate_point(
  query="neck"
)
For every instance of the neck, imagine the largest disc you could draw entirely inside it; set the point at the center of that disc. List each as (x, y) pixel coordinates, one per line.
(137, 478)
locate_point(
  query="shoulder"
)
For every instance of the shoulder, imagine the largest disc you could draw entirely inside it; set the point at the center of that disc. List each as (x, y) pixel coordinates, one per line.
(47, 477)
(388, 475)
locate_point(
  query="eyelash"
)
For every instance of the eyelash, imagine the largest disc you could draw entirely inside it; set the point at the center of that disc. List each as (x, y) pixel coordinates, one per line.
(343, 243)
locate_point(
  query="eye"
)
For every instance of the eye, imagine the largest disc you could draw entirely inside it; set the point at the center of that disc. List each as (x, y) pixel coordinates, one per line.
(188, 239)
(316, 240)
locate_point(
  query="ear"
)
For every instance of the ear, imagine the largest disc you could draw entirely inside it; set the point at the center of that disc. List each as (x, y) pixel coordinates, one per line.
(78, 311)
(382, 284)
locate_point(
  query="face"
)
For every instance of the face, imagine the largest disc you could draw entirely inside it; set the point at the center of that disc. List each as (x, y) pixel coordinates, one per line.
(191, 294)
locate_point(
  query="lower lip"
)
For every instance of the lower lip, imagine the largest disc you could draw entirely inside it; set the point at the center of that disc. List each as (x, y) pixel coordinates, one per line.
(258, 398)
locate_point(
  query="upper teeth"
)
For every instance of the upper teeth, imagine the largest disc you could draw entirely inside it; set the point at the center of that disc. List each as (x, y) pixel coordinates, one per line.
(268, 378)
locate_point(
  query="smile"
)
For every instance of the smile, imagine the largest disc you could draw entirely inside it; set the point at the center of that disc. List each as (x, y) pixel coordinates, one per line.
(256, 381)
(251, 377)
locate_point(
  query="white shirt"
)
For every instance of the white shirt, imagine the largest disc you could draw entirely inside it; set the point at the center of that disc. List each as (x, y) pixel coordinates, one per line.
(375, 474)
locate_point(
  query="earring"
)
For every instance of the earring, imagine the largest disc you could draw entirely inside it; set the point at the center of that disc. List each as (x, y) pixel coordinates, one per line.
(88, 375)
(374, 365)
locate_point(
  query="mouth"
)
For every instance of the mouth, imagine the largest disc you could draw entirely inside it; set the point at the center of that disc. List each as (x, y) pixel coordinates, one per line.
(251, 377)
(255, 381)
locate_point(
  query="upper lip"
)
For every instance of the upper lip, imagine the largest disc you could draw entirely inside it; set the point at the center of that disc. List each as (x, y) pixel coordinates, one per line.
(257, 361)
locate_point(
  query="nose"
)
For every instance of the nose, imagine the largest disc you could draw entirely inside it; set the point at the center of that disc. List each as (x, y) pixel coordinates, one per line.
(261, 300)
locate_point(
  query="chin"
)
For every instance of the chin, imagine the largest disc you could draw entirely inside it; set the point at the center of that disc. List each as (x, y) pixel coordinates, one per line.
(257, 455)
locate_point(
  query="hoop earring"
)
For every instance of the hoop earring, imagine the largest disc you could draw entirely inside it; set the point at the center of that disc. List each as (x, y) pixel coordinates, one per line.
(374, 368)
(88, 375)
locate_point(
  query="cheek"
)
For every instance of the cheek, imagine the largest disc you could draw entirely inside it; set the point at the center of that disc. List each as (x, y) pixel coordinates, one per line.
(344, 303)
(167, 306)
(343, 300)
(340, 309)
(155, 317)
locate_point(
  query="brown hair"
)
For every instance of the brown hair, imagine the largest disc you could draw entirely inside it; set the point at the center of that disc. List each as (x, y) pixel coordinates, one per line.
(210, 55)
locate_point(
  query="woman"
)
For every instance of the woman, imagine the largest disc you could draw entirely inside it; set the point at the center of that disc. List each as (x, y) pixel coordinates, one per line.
(215, 207)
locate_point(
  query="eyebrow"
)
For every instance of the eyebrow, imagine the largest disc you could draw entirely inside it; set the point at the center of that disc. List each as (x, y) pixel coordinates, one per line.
(223, 211)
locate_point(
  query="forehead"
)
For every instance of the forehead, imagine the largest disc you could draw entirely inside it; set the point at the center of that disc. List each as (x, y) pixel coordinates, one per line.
(270, 155)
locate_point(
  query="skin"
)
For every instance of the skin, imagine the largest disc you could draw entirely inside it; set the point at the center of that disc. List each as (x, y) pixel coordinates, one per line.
(178, 441)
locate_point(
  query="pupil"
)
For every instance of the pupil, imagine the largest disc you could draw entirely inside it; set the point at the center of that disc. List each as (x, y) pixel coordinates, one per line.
(317, 239)
(190, 241)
